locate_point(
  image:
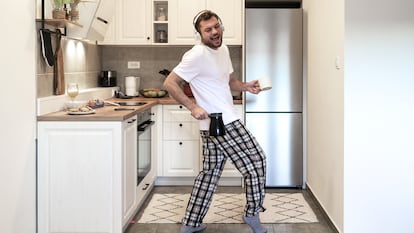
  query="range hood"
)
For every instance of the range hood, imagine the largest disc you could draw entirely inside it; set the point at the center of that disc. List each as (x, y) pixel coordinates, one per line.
(95, 16)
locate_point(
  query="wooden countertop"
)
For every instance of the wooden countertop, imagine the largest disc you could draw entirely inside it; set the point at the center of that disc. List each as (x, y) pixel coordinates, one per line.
(108, 113)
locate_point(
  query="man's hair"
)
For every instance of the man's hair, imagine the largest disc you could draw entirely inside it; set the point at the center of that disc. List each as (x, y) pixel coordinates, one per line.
(204, 15)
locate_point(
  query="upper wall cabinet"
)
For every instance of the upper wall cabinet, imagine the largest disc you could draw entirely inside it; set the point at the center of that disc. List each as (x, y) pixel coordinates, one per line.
(134, 23)
(170, 22)
(96, 16)
(231, 14)
(182, 14)
(93, 18)
(131, 24)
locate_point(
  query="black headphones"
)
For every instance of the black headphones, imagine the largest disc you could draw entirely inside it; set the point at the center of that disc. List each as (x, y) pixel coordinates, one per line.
(196, 21)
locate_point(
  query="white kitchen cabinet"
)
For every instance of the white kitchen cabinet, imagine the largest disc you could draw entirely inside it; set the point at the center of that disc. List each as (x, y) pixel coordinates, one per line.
(132, 23)
(86, 175)
(182, 14)
(181, 158)
(110, 32)
(181, 154)
(139, 22)
(231, 14)
(129, 169)
(181, 142)
(95, 17)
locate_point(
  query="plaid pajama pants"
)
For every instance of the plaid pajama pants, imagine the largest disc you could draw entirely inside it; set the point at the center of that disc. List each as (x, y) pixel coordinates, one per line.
(239, 145)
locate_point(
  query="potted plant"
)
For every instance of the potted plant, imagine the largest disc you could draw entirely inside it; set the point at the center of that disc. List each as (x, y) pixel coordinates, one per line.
(59, 11)
(74, 12)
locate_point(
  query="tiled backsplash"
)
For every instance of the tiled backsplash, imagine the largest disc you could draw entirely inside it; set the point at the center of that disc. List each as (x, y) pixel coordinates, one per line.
(152, 60)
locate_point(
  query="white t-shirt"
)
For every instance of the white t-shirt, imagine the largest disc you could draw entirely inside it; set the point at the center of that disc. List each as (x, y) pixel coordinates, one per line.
(208, 72)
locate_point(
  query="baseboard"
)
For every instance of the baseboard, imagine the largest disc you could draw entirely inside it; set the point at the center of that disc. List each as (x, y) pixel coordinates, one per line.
(324, 213)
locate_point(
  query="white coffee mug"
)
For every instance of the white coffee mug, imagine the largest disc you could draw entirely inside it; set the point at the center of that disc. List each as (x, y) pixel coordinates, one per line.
(265, 83)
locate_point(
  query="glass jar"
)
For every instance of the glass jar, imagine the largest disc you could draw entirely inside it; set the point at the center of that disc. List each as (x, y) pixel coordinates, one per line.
(162, 36)
(161, 14)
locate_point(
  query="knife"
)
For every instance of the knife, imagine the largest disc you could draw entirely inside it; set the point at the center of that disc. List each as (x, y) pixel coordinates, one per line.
(122, 109)
(111, 103)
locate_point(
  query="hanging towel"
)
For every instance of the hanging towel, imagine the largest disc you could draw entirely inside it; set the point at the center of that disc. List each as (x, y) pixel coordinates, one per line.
(58, 72)
(46, 46)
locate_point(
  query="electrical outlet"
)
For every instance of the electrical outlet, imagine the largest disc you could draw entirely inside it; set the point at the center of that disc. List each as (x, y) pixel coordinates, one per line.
(134, 64)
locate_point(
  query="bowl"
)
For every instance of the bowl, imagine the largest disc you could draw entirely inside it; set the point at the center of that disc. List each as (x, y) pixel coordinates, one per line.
(74, 104)
(153, 93)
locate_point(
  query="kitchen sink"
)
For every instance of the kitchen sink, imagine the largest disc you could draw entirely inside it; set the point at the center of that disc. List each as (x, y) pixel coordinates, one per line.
(131, 103)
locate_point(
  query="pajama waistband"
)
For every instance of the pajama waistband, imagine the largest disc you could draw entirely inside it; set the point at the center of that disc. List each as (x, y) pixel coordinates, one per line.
(230, 126)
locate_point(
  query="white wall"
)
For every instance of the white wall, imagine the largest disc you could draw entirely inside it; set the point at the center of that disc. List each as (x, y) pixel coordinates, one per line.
(324, 27)
(17, 134)
(360, 118)
(379, 116)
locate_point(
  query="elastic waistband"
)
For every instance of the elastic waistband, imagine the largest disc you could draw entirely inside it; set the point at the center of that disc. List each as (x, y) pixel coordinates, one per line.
(230, 126)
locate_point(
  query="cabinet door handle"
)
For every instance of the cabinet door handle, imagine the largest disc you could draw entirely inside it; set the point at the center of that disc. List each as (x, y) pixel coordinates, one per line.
(146, 186)
(132, 121)
(180, 143)
(102, 20)
(148, 38)
(181, 125)
(181, 106)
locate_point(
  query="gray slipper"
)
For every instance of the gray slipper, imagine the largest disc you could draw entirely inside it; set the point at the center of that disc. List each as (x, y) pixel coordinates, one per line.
(254, 223)
(190, 229)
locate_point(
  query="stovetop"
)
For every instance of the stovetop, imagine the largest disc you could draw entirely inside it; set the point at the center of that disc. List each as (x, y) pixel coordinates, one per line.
(131, 103)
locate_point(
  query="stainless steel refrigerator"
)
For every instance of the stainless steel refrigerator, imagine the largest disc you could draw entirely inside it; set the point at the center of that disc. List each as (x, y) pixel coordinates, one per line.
(273, 48)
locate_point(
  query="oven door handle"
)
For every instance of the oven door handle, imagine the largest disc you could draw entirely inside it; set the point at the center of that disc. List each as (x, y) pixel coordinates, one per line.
(142, 127)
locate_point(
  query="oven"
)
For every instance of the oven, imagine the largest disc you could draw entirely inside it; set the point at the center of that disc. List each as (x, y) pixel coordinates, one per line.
(144, 144)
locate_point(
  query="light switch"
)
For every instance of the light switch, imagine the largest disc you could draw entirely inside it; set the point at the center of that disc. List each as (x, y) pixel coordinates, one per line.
(338, 63)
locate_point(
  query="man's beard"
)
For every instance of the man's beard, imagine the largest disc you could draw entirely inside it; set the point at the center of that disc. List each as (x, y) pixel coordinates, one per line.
(210, 43)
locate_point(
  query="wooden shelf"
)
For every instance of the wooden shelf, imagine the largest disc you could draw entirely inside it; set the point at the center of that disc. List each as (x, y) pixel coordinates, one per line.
(60, 23)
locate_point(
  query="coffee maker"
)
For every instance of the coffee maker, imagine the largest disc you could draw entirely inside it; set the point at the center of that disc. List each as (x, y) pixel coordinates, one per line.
(107, 78)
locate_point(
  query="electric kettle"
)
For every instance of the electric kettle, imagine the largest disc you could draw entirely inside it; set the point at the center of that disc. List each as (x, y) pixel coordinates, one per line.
(132, 85)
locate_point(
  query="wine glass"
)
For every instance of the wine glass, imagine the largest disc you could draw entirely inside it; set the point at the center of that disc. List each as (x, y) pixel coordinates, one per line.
(73, 90)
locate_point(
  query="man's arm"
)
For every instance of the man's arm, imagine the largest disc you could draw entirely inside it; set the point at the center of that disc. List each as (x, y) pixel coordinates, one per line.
(237, 85)
(172, 85)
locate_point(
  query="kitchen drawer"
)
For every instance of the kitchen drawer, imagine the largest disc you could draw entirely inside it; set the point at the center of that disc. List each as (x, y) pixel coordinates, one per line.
(182, 158)
(181, 130)
(177, 113)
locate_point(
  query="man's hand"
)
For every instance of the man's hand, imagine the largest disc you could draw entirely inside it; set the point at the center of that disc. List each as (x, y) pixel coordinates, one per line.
(237, 85)
(253, 87)
(199, 113)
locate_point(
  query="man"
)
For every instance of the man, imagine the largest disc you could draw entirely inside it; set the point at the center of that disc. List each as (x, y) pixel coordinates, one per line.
(208, 69)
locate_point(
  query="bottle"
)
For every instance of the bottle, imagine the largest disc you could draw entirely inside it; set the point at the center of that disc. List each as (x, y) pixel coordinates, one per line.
(161, 14)
(66, 10)
(216, 124)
